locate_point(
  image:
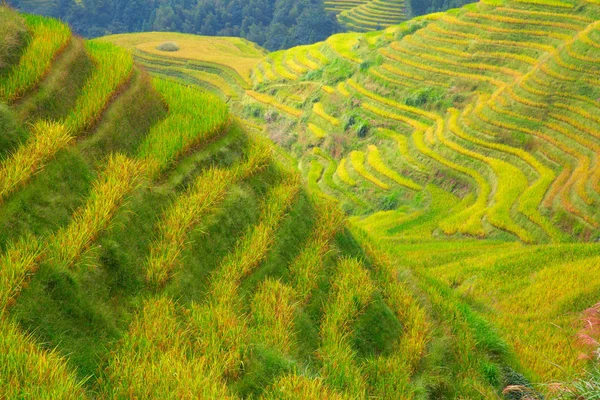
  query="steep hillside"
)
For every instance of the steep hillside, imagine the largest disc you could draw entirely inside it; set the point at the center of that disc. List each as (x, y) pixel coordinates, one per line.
(465, 145)
(151, 248)
(154, 244)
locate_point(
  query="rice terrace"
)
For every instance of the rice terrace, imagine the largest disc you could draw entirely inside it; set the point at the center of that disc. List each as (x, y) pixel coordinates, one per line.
(277, 199)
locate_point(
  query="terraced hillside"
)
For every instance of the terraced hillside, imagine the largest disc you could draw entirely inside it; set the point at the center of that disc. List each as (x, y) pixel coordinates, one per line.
(462, 100)
(152, 248)
(154, 245)
(454, 139)
(477, 123)
(221, 65)
(368, 15)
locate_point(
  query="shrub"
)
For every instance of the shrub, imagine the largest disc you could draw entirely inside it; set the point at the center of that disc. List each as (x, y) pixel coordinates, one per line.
(422, 96)
(168, 46)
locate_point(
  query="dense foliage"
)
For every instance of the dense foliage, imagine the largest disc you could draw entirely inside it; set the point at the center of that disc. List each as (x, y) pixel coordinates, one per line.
(274, 24)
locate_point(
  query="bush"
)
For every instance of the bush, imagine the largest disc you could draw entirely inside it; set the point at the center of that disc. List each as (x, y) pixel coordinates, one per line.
(168, 46)
(423, 96)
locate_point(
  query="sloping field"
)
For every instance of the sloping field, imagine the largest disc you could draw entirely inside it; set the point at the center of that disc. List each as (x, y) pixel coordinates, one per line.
(152, 248)
(154, 245)
(478, 123)
(368, 15)
(221, 65)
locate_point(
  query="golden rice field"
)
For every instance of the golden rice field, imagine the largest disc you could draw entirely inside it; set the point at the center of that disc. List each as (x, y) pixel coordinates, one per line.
(407, 213)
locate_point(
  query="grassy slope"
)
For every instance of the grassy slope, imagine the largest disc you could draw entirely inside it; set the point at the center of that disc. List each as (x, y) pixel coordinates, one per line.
(510, 164)
(80, 285)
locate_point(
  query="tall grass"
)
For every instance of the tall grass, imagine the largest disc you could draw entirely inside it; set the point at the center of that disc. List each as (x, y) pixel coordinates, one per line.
(220, 329)
(352, 289)
(306, 270)
(120, 177)
(47, 138)
(26, 372)
(274, 308)
(16, 263)
(49, 37)
(390, 376)
(158, 359)
(298, 387)
(194, 117)
(205, 194)
(113, 68)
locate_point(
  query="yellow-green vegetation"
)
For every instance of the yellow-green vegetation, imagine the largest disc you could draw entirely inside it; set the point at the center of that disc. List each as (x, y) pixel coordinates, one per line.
(375, 161)
(196, 117)
(232, 53)
(151, 247)
(49, 37)
(221, 65)
(373, 15)
(28, 371)
(208, 191)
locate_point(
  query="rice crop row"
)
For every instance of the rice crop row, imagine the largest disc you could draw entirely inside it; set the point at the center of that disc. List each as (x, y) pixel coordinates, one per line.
(468, 221)
(317, 131)
(206, 193)
(453, 21)
(29, 372)
(403, 149)
(352, 290)
(306, 269)
(526, 21)
(158, 357)
(328, 178)
(375, 161)
(410, 75)
(343, 44)
(461, 64)
(314, 176)
(220, 330)
(357, 159)
(442, 71)
(389, 376)
(384, 100)
(194, 117)
(113, 68)
(272, 101)
(341, 87)
(388, 79)
(280, 66)
(299, 387)
(342, 173)
(510, 184)
(578, 174)
(120, 177)
(532, 197)
(320, 111)
(49, 38)
(544, 14)
(47, 138)
(274, 308)
(495, 42)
